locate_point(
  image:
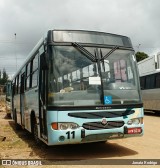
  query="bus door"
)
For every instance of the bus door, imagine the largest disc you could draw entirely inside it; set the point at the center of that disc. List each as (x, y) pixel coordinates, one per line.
(22, 99)
(42, 98)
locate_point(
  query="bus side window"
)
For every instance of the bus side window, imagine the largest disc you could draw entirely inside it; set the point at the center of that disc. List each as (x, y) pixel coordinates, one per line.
(158, 80)
(16, 84)
(142, 82)
(28, 71)
(150, 82)
(34, 71)
(34, 78)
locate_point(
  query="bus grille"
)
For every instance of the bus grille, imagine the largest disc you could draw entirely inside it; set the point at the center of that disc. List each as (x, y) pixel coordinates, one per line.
(98, 114)
(99, 125)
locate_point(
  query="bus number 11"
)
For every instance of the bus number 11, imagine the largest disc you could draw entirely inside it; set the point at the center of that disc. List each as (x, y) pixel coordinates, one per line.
(70, 134)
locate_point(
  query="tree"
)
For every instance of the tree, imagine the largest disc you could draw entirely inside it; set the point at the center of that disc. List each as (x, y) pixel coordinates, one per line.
(141, 56)
(3, 77)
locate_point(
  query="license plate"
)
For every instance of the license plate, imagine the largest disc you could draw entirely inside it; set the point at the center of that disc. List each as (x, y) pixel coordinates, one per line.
(134, 130)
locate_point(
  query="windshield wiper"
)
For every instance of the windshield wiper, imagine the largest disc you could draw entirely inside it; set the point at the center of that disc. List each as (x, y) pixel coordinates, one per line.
(102, 60)
(85, 52)
(90, 55)
(109, 53)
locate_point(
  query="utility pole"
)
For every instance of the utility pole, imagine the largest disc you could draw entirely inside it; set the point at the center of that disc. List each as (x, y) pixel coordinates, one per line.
(15, 51)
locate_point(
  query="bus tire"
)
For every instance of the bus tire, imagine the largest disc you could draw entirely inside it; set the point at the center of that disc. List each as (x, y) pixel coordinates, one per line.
(35, 133)
(9, 115)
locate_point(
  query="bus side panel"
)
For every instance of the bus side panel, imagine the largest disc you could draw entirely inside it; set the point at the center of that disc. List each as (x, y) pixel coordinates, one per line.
(17, 108)
(52, 117)
(30, 105)
(151, 99)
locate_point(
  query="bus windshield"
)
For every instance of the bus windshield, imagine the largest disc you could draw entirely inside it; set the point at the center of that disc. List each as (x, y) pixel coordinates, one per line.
(76, 79)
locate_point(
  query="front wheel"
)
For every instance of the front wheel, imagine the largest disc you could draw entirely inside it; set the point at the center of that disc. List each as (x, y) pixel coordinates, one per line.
(35, 134)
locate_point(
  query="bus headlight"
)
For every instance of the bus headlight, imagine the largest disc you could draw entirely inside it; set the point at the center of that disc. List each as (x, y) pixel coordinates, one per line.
(64, 126)
(134, 121)
(73, 126)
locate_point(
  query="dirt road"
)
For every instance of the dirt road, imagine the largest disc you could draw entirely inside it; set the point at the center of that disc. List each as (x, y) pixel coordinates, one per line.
(20, 145)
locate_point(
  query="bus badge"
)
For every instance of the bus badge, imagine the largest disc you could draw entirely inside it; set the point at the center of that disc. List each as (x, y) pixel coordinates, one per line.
(104, 121)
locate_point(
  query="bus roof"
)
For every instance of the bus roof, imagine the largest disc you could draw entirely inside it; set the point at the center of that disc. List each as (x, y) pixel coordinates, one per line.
(150, 73)
(82, 36)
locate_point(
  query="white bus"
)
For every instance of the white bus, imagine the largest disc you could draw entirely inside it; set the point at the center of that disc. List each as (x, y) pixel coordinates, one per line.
(150, 82)
(78, 87)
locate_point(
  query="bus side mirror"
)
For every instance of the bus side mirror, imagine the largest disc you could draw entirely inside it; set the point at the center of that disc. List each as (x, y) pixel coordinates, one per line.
(44, 61)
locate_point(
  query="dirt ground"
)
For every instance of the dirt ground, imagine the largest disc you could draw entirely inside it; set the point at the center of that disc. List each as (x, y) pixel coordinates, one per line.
(20, 145)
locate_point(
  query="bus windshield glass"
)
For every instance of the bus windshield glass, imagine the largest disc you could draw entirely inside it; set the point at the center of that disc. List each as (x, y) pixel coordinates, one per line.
(77, 80)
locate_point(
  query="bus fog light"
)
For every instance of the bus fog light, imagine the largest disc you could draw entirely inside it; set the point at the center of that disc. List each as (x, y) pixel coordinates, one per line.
(61, 138)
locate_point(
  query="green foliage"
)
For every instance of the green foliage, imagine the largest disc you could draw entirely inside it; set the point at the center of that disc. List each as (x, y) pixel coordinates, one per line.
(141, 56)
(3, 77)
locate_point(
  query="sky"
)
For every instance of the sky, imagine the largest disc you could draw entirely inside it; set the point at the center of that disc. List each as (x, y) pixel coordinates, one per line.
(23, 23)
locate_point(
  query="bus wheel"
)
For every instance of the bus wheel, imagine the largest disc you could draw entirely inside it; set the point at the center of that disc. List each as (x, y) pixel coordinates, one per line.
(35, 134)
(8, 115)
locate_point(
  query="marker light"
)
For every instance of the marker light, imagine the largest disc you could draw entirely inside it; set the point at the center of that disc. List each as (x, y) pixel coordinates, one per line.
(54, 126)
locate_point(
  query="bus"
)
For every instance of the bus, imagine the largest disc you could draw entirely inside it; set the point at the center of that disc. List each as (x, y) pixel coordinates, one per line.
(150, 82)
(8, 98)
(79, 86)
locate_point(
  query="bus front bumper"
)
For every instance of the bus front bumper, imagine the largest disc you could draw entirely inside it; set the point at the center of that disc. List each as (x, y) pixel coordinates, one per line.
(82, 135)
